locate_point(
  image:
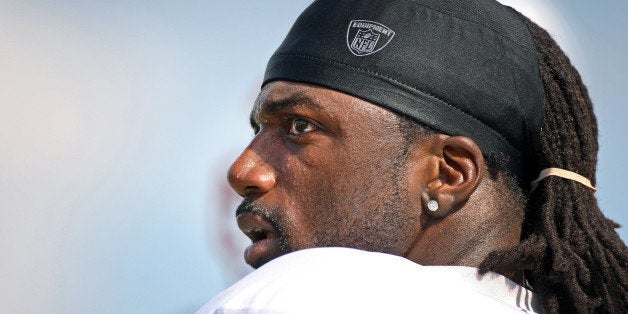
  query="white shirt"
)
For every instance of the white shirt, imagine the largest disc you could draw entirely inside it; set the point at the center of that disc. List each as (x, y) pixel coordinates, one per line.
(343, 280)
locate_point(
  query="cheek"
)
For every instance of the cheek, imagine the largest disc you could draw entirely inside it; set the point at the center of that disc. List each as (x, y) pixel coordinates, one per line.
(332, 185)
(333, 171)
(315, 190)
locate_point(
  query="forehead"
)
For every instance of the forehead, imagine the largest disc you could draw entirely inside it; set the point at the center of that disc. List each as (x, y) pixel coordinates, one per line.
(279, 95)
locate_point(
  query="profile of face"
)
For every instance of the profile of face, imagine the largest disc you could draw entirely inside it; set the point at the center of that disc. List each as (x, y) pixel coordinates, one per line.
(325, 169)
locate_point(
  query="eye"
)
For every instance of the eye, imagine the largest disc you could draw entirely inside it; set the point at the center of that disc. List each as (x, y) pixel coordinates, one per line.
(300, 126)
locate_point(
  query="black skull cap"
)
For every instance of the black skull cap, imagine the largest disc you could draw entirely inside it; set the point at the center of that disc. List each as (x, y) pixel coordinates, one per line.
(462, 67)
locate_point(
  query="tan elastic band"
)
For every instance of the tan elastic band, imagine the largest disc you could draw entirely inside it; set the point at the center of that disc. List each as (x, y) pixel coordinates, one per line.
(563, 174)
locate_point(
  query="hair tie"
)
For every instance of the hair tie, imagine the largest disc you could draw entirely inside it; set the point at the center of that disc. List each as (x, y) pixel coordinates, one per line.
(558, 172)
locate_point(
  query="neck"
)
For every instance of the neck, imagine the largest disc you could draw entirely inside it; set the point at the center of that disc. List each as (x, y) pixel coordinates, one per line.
(466, 238)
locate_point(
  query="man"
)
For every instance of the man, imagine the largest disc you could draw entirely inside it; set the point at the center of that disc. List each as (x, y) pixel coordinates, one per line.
(422, 156)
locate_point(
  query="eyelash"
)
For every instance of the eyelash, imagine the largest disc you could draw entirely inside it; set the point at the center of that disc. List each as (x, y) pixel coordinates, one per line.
(310, 126)
(290, 120)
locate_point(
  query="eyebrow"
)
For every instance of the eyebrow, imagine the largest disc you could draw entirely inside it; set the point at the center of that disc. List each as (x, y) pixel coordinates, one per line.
(296, 100)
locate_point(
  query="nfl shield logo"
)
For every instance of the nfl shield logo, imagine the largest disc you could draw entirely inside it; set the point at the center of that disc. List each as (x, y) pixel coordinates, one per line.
(367, 37)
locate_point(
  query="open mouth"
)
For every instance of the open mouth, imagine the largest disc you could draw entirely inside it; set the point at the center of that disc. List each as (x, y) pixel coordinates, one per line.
(264, 239)
(257, 234)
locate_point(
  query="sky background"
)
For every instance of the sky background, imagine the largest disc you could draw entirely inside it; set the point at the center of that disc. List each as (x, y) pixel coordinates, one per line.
(118, 120)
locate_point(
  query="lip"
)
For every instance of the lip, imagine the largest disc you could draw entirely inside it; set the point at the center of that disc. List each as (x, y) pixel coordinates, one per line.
(264, 237)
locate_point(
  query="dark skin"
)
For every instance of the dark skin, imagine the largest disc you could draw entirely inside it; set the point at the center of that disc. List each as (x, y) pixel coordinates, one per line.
(329, 169)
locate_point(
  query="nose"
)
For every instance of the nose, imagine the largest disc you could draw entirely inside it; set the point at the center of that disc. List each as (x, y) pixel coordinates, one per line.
(250, 174)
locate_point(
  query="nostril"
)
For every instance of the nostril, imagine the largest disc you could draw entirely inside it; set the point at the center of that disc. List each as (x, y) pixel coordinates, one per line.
(249, 190)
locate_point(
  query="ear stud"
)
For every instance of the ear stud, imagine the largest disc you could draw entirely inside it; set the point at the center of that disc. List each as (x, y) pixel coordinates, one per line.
(432, 205)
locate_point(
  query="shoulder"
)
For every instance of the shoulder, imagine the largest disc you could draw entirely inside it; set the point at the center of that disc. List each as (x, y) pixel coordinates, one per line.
(342, 280)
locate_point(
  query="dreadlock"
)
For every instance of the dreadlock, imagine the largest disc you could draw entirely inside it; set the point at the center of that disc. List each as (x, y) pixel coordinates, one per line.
(569, 252)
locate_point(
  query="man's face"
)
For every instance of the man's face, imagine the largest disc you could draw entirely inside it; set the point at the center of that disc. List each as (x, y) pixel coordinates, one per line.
(324, 169)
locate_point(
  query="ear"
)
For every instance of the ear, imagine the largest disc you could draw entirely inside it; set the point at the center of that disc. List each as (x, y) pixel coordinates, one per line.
(460, 170)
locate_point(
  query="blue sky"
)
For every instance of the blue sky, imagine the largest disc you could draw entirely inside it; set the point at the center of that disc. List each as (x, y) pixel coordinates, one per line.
(118, 120)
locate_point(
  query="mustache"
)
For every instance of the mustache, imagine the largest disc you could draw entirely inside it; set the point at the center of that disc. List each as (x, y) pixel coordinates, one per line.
(250, 207)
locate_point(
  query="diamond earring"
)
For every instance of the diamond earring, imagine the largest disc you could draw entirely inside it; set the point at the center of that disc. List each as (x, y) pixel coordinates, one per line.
(432, 205)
